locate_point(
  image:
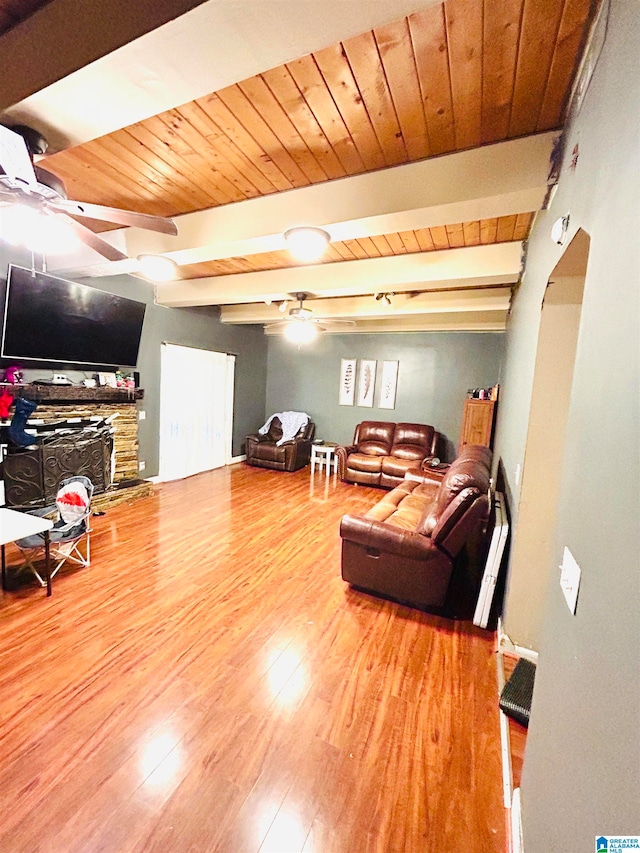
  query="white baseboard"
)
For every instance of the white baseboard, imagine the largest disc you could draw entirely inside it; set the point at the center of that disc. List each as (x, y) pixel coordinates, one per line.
(234, 460)
(507, 646)
(505, 740)
(512, 798)
(517, 845)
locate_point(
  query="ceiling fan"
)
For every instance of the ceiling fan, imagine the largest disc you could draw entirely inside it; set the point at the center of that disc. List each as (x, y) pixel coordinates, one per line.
(300, 325)
(24, 183)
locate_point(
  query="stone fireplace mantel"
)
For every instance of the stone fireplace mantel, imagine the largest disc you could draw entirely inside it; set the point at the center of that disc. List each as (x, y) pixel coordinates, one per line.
(72, 393)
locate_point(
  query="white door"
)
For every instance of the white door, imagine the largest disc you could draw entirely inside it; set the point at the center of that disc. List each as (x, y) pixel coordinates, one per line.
(196, 410)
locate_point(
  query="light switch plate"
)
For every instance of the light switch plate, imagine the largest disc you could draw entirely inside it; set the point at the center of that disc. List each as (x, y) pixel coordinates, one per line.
(570, 579)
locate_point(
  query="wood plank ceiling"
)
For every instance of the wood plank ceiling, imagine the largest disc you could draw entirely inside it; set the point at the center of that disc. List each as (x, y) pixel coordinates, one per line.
(455, 76)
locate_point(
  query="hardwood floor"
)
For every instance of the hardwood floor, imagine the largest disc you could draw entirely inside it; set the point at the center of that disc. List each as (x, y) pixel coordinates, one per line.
(209, 683)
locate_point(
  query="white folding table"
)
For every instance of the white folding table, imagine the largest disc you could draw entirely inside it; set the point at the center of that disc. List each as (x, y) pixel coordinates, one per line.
(17, 525)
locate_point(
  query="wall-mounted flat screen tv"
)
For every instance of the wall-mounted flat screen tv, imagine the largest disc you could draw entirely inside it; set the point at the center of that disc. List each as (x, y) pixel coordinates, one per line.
(50, 319)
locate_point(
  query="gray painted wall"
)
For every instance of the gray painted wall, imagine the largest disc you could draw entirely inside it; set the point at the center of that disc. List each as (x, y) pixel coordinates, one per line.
(582, 766)
(194, 327)
(435, 371)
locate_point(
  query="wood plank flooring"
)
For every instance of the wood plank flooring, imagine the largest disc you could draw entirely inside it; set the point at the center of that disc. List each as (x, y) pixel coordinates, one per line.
(209, 683)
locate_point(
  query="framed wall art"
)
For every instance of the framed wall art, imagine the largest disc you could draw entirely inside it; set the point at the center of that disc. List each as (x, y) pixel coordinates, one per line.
(366, 382)
(388, 384)
(347, 393)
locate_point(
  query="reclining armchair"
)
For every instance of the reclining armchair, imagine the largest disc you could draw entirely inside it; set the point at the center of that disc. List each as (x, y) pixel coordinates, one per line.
(264, 451)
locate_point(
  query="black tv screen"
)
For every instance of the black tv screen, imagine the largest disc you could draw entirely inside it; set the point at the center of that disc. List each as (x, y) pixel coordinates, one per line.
(50, 319)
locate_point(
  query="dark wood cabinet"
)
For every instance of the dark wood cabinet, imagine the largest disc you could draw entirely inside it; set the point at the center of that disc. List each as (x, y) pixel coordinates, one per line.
(477, 422)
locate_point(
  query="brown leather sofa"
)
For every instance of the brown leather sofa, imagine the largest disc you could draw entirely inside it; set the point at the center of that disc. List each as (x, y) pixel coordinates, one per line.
(382, 452)
(422, 543)
(264, 451)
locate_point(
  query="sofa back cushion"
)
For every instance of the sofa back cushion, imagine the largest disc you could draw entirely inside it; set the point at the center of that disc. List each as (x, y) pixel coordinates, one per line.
(412, 441)
(374, 438)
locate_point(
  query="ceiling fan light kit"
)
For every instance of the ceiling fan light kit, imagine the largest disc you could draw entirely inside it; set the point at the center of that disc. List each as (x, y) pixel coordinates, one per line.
(301, 327)
(300, 333)
(23, 184)
(307, 243)
(42, 234)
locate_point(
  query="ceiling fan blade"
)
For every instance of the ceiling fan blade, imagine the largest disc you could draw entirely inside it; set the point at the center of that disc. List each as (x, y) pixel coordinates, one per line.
(279, 324)
(115, 215)
(338, 324)
(93, 240)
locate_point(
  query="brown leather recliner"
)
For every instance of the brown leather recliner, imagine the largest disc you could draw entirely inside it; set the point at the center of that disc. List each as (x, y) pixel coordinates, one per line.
(264, 451)
(422, 543)
(382, 452)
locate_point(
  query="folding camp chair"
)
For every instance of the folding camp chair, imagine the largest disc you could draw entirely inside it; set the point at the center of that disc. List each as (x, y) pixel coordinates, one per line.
(70, 535)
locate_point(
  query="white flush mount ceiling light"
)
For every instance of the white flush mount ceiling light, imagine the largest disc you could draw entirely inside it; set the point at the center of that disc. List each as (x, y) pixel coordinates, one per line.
(157, 267)
(300, 332)
(307, 243)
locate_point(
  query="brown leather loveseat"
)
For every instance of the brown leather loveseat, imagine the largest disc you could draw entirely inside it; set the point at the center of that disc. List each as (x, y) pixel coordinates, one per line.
(382, 452)
(422, 542)
(265, 452)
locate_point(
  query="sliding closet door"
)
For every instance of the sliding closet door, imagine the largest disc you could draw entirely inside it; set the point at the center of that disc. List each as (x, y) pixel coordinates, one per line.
(196, 406)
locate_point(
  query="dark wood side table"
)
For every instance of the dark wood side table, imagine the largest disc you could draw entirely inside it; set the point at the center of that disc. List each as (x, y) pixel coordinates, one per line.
(430, 474)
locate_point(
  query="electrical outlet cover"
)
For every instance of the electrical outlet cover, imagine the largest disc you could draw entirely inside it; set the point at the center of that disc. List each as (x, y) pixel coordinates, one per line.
(570, 579)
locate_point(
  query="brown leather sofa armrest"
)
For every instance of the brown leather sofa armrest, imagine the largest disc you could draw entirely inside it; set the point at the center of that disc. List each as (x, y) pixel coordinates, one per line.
(346, 448)
(297, 453)
(341, 453)
(381, 537)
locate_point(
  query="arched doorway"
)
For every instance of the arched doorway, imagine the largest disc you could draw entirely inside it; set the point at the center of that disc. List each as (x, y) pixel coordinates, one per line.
(531, 550)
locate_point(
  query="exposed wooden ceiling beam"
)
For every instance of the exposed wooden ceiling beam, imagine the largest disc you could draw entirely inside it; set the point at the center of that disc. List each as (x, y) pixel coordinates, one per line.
(64, 36)
(496, 264)
(363, 308)
(472, 321)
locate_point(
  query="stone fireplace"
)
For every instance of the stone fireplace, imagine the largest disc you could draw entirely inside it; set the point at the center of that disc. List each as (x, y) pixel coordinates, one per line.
(73, 439)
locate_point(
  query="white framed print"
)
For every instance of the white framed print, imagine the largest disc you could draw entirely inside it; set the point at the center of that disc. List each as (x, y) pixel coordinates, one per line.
(366, 382)
(347, 393)
(388, 384)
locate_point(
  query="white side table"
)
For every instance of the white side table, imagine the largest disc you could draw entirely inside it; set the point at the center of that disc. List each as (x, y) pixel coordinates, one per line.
(324, 454)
